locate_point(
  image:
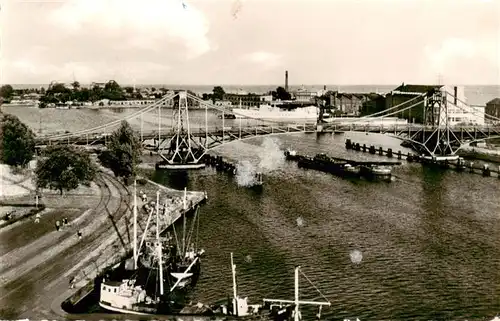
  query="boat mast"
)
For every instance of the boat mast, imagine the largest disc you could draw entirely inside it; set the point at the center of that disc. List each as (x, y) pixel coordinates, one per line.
(296, 301)
(235, 300)
(135, 224)
(160, 263)
(184, 223)
(296, 317)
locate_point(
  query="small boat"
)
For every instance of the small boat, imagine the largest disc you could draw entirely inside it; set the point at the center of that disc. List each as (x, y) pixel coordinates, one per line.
(376, 172)
(381, 170)
(274, 309)
(353, 170)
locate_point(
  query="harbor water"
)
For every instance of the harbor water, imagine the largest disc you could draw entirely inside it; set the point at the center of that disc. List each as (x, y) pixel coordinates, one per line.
(425, 246)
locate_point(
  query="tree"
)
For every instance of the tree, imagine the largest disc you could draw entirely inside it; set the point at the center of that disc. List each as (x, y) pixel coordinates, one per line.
(75, 85)
(124, 152)
(112, 86)
(18, 142)
(58, 88)
(281, 94)
(6, 91)
(64, 168)
(129, 90)
(218, 93)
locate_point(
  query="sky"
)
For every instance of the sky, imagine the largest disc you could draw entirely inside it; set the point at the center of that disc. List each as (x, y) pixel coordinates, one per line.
(249, 42)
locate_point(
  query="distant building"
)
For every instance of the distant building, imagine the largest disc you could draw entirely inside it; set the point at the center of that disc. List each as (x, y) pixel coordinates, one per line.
(132, 103)
(493, 108)
(247, 100)
(347, 103)
(458, 110)
(223, 103)
(373, 104)
(97, 85)
(303, 95)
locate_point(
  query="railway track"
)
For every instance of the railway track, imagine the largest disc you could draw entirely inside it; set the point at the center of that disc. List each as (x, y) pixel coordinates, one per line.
(26, 292)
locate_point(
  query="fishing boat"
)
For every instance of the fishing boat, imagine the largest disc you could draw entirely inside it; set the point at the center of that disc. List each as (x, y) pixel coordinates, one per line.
(164, 269)
(272, 309)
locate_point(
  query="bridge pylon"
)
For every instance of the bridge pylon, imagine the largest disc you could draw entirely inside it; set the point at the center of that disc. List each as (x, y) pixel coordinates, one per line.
(181, 151)
(439, 143)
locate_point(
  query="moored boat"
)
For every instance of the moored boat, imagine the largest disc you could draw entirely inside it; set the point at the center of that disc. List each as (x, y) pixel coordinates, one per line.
(161, 274)
(267, 112)
(376, 172)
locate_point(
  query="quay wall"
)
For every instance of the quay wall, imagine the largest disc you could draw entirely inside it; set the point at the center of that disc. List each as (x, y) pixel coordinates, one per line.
(112, 252)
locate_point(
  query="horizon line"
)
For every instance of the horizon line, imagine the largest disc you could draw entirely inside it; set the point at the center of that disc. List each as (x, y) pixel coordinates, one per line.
(236, 85)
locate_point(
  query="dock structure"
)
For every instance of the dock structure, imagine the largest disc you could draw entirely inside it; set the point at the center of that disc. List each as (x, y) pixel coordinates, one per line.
(452, 162)
(109, 253)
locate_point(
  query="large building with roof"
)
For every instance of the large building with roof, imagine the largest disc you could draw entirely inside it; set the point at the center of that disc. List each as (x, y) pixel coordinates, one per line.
(459, 112)
(493, 108)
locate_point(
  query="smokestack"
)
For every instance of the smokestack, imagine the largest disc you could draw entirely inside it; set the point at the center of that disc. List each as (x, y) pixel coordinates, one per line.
(286, 80)
(324, 87)
(455, 92)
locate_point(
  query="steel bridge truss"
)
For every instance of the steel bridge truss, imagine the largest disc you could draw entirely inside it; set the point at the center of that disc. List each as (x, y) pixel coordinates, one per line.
(181, 145)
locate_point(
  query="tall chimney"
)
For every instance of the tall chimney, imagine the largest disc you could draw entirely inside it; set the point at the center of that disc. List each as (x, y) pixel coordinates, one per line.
(286, 80)
(455, 90)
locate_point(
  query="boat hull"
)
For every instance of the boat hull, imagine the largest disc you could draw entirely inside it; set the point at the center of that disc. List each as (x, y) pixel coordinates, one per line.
(275, 116)
(125, 311)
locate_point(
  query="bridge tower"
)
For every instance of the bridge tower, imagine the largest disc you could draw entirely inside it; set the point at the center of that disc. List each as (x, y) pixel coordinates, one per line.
(181, 151)
(438, 143)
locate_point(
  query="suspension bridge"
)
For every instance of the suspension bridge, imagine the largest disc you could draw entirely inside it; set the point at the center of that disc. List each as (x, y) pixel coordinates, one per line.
(166, 127)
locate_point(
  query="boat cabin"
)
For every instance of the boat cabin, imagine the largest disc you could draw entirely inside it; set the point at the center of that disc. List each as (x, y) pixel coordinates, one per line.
(121, 295)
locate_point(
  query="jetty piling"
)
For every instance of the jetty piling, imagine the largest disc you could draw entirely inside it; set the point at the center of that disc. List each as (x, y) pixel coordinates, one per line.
(459, 165)
(220, 164)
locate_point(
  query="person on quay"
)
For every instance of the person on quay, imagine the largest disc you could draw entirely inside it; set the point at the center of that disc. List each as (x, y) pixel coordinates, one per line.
(58, 225)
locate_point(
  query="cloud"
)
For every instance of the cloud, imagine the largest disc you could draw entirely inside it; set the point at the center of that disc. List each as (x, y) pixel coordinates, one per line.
(146, 23)
(459, 59)
(450, 49)
(264, 59)
(85, 72)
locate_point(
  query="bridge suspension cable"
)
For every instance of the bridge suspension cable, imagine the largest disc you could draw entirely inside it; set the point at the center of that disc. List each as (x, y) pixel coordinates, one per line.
(201, 101)
(381, 117)
(394, 107)
(118, 121)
